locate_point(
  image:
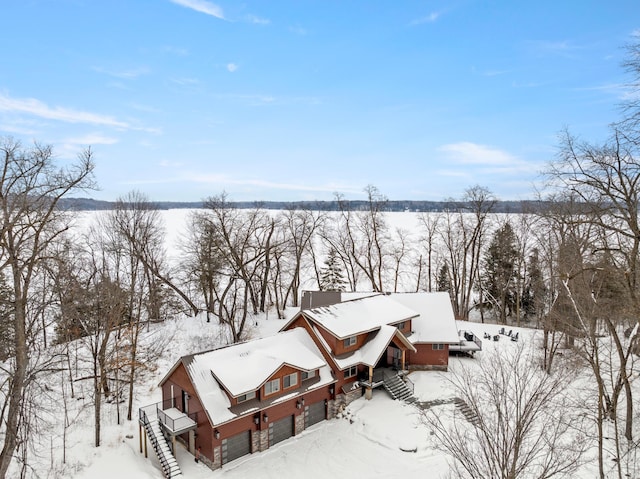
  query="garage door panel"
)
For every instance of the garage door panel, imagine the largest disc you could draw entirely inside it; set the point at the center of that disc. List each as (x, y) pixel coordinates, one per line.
(236, 446)
(280, 430)
(314, 413)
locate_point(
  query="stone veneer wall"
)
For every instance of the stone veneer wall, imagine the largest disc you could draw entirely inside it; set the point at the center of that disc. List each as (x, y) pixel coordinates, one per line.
(260, 440)
(341, 401)
(217, 459)
(299, 424)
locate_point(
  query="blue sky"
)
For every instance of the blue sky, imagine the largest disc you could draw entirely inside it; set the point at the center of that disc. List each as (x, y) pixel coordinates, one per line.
(298, 100)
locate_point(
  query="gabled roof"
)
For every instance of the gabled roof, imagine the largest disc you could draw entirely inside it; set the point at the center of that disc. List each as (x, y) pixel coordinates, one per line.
(358, 316)
(436, 323)
(371, 352)
(245, 367)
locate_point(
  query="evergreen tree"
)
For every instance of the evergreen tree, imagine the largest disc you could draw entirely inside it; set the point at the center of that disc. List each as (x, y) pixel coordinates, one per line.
(331, 275)
(442, 283)
(499, 271)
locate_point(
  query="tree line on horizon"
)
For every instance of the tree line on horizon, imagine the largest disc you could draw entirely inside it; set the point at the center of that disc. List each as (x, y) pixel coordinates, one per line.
(415, 206)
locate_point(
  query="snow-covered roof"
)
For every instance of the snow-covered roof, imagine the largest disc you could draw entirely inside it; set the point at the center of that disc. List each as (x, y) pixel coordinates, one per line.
(244, 367)
(350, 318)
(371, 351)
(350, 295)
(436, 323)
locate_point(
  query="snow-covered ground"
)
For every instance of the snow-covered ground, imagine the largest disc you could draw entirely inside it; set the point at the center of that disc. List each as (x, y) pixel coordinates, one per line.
(366, 441)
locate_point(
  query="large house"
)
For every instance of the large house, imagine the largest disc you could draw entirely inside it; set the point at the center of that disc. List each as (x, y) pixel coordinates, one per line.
(244, 398)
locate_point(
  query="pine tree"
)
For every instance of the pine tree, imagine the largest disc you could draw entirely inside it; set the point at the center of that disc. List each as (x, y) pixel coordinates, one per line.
(443, 283)
(331, 275)
(499, 271)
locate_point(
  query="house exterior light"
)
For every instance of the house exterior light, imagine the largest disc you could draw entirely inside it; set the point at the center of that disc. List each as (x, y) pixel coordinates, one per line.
(265, 418)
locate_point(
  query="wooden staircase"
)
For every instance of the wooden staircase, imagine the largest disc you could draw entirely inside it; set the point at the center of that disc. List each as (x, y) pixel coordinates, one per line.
(168, 462)
(398, 388)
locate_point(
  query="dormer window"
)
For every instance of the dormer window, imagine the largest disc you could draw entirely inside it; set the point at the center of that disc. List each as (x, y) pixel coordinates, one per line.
(290, 380)
(246, 397)
(350, 341)
(272, 387)
(308, 374)
(401, 325)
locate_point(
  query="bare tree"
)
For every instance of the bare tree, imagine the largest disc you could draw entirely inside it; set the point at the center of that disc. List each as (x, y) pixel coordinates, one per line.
(235, 250)
(301, 227)
(430, 224)
(465, 226)
(606, 179)
(519, 427)
(30, 190)
(133, 238)
(361, 239)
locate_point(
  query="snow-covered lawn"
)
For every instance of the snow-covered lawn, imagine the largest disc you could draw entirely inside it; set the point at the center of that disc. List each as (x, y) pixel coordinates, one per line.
(368, 440)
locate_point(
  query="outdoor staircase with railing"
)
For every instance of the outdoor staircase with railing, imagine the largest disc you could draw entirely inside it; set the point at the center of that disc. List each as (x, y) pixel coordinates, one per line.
(398, 388)
(168, 462)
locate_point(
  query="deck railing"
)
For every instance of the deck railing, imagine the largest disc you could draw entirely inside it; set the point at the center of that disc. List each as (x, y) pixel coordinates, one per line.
(177, 424)
(173, 424)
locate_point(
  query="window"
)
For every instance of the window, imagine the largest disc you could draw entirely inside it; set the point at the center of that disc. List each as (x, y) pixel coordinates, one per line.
(290, 380)
(351, 372)
(272, 386)
(308, 374)
(349, 341)
(246, 397)
(401, 325)
(437, 346)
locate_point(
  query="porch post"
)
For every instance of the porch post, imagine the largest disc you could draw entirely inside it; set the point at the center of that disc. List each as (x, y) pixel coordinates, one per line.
(368, 393)
(192, 442)
(403, 360)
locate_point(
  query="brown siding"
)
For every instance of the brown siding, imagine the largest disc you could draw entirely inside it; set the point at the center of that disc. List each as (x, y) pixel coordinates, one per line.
(181, 382)
(280, 374)
(407, 327)
(342, 381)
(427, 356)
(340, 348)
(329, 338)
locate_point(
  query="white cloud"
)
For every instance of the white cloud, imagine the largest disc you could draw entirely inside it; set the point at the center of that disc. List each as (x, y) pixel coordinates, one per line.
(432, 17)
(37, 108)
(232, 67)
(224, 181)
(485, 160)
(468, 153)
(258, 20)
(201, 6)
(17, 130)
